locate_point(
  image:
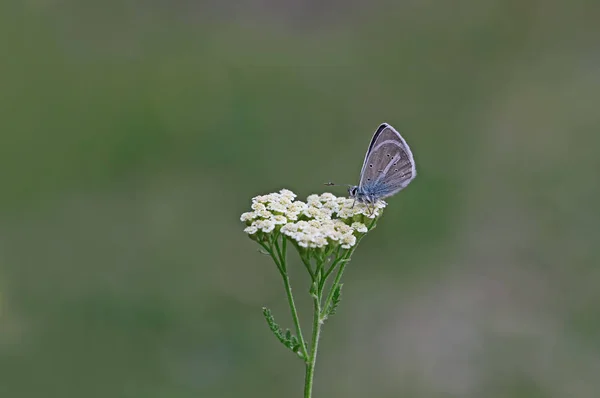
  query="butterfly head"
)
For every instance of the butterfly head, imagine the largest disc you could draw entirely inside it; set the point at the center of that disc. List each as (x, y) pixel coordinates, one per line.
(352, 191)
(360, 195)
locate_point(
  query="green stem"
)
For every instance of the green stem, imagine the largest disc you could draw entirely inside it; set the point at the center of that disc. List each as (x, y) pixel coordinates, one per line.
(345, 260)
(306, 262)
(290, 296)
(272, 254)
(288, 289)
(330, 270)
(316, 332)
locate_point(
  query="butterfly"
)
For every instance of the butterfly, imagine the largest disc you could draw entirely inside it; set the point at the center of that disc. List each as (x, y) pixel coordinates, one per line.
(388, 167)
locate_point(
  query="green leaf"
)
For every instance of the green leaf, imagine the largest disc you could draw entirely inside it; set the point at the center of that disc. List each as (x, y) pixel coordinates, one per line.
(286, 338)
(335, 301)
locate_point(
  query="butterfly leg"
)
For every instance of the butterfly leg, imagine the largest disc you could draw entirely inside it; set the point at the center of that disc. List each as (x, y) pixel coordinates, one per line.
(370, 205)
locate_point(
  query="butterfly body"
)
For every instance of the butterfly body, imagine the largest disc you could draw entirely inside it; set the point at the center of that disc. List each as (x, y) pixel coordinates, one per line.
(368, 193)
(388, 167)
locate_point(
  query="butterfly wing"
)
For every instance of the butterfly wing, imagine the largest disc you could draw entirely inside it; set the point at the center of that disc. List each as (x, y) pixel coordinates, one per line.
(389, 165)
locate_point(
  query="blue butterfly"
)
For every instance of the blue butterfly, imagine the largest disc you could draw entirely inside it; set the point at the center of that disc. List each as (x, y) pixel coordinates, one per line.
(388, 168)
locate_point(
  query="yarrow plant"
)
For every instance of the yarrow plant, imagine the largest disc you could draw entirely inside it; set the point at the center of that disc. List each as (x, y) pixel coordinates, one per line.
(325, 230)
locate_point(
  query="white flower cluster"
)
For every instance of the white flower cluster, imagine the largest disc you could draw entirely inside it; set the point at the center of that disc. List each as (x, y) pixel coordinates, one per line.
(324, 219)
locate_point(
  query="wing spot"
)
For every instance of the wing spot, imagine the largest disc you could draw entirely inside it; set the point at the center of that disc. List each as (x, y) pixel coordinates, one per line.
(370, 165)
(368, 179)
(395, 169)
(388, 155)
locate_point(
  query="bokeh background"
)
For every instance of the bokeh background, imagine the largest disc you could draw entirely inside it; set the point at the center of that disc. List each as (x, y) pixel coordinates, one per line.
(133, 134)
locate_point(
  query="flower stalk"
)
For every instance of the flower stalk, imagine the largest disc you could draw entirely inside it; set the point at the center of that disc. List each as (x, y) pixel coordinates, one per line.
(325, 230)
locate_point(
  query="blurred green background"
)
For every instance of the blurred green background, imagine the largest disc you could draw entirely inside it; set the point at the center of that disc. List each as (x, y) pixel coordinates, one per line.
(133, 134)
